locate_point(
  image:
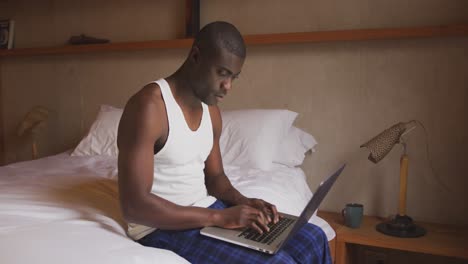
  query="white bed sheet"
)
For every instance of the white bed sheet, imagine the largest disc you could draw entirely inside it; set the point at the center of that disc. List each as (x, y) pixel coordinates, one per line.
(63, 209)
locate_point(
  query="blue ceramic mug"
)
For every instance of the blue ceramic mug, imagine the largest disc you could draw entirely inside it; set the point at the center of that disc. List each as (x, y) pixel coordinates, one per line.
(352, 215)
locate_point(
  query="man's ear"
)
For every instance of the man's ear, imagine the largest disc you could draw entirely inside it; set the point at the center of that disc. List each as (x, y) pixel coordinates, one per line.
(195, 54)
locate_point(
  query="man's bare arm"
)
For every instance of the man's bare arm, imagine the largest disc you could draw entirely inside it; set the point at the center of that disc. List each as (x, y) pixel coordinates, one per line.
(139, 129)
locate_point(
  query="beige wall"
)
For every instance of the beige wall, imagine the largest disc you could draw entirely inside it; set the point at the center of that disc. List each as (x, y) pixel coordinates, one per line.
(345, 92)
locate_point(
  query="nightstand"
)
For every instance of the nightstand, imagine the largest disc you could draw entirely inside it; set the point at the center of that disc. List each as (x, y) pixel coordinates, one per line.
(443, 240)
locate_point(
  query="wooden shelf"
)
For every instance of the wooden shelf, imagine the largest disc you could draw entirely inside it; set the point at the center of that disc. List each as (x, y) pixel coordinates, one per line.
(122, 46)
(358, 35)
(261, 39)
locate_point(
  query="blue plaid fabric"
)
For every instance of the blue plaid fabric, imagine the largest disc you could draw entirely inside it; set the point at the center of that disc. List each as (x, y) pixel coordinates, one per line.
(309, 245)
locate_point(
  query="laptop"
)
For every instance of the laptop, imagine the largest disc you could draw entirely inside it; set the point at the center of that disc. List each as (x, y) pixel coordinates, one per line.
(271, 242)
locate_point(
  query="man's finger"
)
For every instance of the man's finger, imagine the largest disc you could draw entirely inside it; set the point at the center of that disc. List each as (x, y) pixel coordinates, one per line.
(254, 226)
(269, 217)
(262, 221)
(268, 214)
(275, 213)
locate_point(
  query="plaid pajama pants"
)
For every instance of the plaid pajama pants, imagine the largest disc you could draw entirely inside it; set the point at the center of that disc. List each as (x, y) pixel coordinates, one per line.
(309, 245)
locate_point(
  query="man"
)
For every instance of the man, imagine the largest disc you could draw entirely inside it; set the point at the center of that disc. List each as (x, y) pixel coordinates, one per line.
(170, 167)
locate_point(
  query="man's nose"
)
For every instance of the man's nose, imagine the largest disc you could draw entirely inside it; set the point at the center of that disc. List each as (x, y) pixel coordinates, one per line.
(227, 84)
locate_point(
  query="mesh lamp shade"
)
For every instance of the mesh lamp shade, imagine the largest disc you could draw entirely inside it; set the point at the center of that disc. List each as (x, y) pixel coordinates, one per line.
(380, 145)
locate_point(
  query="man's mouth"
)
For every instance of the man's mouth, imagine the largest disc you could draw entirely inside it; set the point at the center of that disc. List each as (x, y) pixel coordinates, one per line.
(220, 97)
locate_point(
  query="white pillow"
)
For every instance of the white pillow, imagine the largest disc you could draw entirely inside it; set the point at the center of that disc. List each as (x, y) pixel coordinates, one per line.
(250, 138)
(292, 149)
(102, 136)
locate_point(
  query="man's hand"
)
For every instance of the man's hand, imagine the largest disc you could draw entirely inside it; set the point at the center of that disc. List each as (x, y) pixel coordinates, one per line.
(252, 212)
(240, 216)
(269, 210)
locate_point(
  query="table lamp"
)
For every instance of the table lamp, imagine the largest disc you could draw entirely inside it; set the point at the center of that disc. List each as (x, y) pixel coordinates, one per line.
(32, 123)
(379, 146)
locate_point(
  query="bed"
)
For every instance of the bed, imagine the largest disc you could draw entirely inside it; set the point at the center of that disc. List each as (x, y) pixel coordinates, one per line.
(64, 208)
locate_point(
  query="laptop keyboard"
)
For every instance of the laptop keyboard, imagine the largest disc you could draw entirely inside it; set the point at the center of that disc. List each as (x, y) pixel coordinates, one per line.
(268, 237)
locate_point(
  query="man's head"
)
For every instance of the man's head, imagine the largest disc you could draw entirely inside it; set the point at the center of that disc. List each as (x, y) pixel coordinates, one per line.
(216, 59)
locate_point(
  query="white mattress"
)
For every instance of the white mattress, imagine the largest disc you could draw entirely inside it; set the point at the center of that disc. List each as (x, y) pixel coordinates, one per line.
(63, 209)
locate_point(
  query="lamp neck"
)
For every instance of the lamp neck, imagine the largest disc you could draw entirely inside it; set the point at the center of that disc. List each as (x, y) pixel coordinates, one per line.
(404, 147)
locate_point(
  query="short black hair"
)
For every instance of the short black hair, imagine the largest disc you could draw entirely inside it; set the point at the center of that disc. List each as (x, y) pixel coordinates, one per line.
(222, 35)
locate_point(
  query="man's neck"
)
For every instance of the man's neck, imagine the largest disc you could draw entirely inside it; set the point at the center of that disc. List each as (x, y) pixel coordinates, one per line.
(181, 89)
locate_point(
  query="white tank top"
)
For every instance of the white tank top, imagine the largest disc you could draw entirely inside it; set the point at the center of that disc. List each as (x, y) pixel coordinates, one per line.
(178, 166)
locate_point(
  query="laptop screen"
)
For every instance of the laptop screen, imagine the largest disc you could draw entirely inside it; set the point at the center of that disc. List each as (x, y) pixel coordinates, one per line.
(314, 202)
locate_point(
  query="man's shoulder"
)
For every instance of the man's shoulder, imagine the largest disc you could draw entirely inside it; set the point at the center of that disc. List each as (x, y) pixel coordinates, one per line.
(148, 96)
(215, 113)
(214, 109)
(150, 93)
(216, 121)
(144, 111)
(147, 103)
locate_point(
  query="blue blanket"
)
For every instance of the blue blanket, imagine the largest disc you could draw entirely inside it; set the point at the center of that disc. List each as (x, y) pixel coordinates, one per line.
(309, 245)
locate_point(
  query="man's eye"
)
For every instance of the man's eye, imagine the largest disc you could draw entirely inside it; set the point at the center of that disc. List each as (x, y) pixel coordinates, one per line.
(223, 73)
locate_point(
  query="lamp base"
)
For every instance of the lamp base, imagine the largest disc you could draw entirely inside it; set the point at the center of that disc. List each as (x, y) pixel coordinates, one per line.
(401, 226)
